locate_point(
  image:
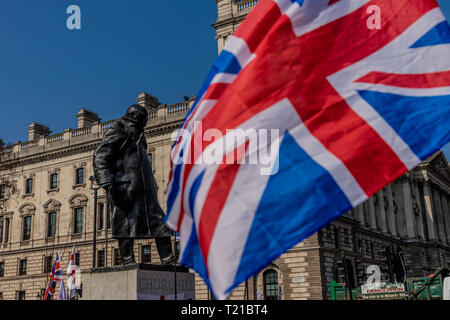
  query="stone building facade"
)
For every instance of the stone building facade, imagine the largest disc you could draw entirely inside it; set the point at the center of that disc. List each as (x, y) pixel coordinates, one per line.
(47, 204)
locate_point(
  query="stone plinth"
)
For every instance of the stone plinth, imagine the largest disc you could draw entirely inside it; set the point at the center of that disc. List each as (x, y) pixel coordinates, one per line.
(138, 282)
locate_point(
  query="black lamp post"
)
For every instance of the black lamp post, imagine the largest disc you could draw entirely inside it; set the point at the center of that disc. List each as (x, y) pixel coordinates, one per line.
(94, 249)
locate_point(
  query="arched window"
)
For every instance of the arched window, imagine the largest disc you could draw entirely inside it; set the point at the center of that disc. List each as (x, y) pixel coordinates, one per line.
(26, 228)
(78, 204)
(271, 288)
(27, 211)
(51, 209)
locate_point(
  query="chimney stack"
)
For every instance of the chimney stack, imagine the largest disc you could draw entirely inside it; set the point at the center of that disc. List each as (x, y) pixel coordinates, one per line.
(37, 131)
(147, 101)
(87, 118)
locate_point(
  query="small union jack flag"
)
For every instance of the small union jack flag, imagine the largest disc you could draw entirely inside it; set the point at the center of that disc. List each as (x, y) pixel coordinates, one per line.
(54, 277)
(355, 108)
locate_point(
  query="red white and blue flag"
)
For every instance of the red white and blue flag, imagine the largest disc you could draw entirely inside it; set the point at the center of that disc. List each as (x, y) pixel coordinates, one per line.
(54, 277)
(71, 274)
(355, 107)
(62, 292)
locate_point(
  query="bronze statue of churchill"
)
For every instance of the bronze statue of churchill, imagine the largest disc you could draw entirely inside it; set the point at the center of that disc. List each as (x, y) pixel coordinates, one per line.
(121, 167)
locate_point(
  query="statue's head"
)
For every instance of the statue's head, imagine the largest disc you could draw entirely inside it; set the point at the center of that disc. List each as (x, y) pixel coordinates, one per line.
(137, 115)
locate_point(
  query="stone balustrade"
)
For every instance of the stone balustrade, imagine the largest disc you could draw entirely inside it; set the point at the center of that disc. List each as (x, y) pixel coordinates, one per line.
(28, 144)
(179, 107)
(71, 137)
(106, 125)
(243, 6)
(169, 114)
(153, 114)
(81, 132)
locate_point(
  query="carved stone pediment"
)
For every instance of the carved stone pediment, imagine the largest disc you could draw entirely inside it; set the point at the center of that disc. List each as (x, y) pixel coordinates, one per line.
(439, 164)
(52, 205)
(78, 200)
(27, 209)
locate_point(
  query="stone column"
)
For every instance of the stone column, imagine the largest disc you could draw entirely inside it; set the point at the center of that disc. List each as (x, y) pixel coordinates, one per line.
(381, 214)
(446, 216)
(372, 217)
(429, 211)
(365, 206)
(448, 212)
(400, 218)
(419, 220)
(360, 214)
(390, 211)
(438, 214)
(409, 211)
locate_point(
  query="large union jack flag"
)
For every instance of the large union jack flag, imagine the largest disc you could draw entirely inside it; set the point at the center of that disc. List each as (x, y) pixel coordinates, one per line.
(55, 275)
(355, 108)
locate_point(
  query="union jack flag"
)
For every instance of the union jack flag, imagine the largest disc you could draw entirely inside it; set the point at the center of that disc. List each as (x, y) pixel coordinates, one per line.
(355, 108)
(55, 275)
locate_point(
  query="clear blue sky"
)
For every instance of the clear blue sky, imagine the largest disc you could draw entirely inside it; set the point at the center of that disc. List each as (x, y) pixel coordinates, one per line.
(48, 72)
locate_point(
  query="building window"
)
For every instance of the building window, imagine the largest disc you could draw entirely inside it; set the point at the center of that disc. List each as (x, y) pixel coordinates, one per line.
(20, 295)
(29, 186)
(22, 267)
(150, 159)
(79, 176)
(117, 257)
(349, 267)
(372, 251)
(2, 269)
(108, 220)
(48, 263)
(101, 258)
(77, 259)
(337, 238)
(7, 230)
(51, 224)
(1, 296)
(26, 231)
(337, 274)
(100, 215)
(2, 191)
(146, 254)
(270, 278)
(1, 229)
(53, 181)
(78, 220)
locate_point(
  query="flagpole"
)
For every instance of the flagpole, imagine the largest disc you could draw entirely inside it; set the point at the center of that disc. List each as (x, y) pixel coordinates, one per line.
(175, 250)
(106, 227)
(94, 247)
